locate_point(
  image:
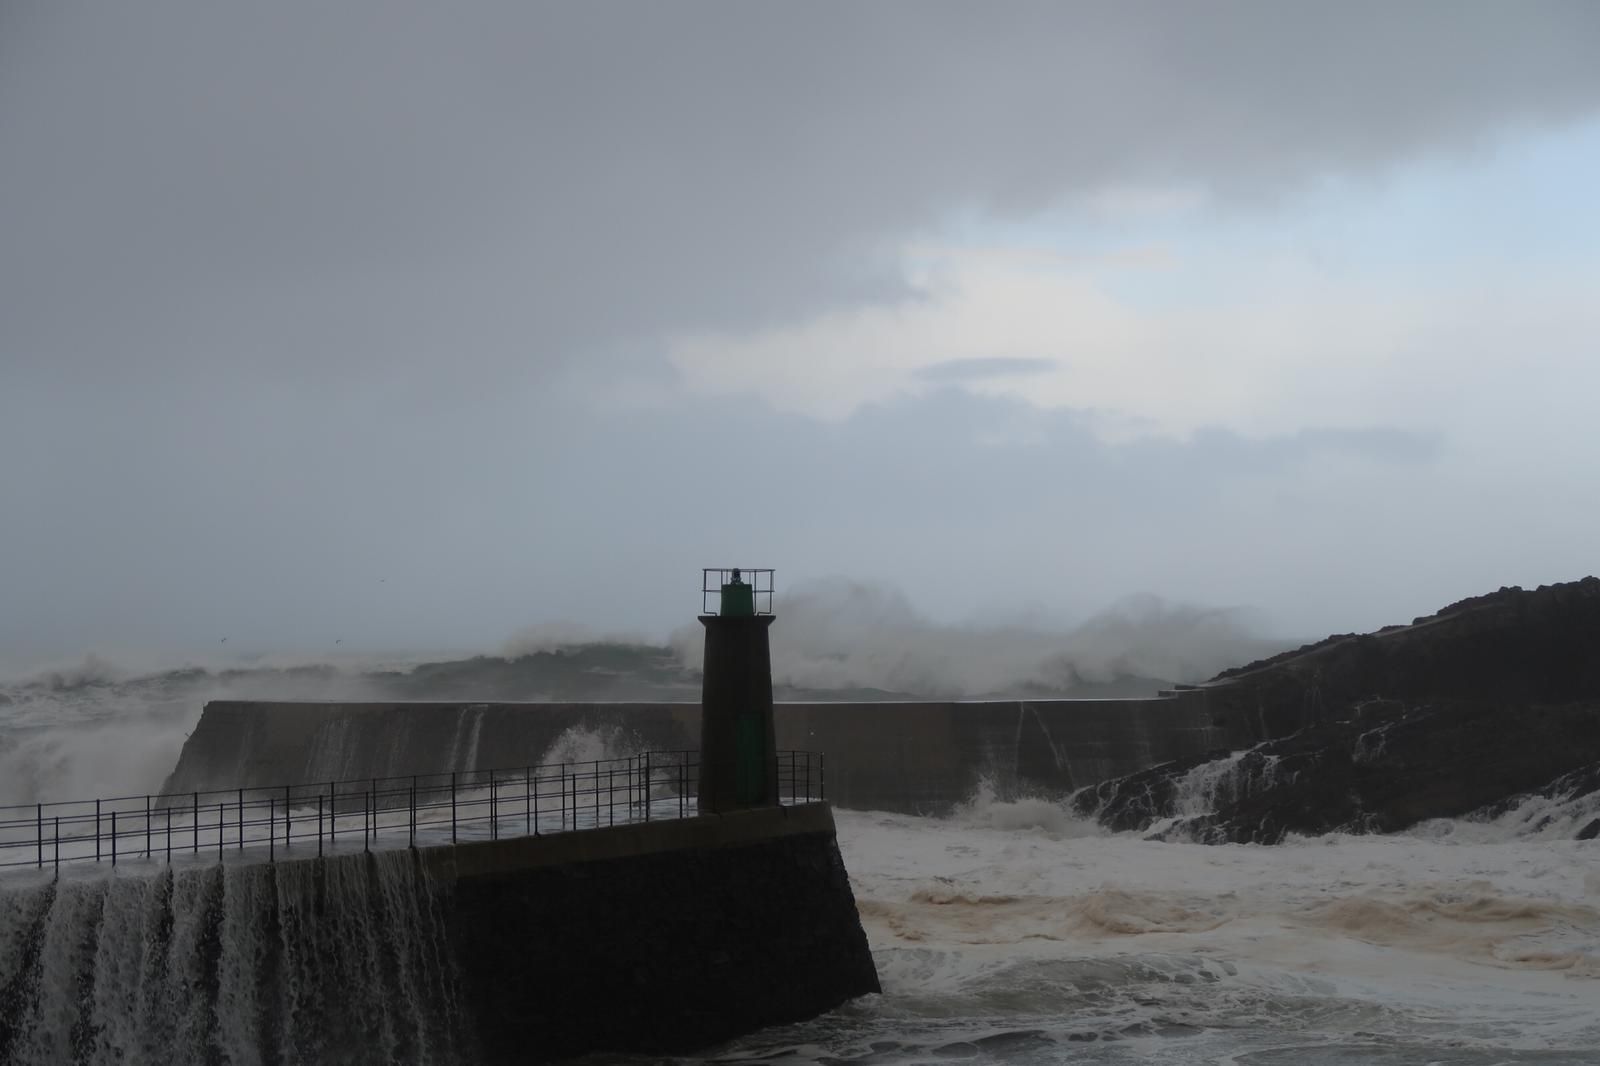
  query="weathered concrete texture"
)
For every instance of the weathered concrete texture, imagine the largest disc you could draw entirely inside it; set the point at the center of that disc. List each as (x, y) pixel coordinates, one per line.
(924, 757)
(247, 744)
(909, 757)
(656, 938)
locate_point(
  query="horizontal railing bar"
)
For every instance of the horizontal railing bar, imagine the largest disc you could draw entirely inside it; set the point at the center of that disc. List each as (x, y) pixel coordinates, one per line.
(311, 789)
(493, 803)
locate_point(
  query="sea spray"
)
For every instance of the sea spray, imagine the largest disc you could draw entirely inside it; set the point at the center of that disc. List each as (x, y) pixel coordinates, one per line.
(988, 807)
(1178, 801)
(581, 744)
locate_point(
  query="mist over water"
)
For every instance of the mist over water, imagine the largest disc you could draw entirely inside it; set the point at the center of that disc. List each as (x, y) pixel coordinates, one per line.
(843, 634)
(103, 726)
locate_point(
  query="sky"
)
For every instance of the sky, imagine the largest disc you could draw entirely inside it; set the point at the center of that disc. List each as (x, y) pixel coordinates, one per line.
(409, 325)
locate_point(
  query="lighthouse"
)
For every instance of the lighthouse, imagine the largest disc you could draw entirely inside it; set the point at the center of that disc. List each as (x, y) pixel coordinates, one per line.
(738, 747)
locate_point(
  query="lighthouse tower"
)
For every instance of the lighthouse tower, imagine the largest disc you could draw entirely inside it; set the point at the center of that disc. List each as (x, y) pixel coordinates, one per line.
(738, 747)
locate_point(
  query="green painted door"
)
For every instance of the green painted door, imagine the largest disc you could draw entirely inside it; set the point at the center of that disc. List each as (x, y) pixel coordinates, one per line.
(751, 765)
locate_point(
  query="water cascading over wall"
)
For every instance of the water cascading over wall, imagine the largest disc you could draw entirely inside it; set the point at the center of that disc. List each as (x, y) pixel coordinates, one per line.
(343, 959)
(652, 937)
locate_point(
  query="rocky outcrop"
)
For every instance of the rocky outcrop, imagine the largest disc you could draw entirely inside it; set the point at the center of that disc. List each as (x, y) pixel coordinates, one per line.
(1470, 711)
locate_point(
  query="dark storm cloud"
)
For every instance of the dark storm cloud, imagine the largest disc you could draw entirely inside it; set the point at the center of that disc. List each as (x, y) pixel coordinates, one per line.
(330, 189)
(282, 287)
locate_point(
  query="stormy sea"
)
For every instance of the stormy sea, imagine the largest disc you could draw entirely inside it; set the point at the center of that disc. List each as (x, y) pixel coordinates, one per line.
(1160, 919)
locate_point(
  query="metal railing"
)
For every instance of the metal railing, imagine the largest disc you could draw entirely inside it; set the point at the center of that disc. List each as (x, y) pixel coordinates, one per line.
(760, 580)
(418, 809)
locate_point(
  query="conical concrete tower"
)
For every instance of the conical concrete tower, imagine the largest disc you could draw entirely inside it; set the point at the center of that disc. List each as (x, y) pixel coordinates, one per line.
(738, 745)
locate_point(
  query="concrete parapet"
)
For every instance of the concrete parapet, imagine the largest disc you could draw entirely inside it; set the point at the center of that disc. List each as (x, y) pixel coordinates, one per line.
(913, 757)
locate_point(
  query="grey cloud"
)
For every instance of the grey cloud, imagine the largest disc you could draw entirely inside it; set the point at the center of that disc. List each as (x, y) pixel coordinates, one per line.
(331, 192)
(961, 370)
(283, 287)
(1383, 442)
(468, 524)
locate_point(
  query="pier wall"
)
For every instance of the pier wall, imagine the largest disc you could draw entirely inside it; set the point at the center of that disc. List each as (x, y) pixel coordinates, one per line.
(651, 938)
(912, 757)
(654, 938)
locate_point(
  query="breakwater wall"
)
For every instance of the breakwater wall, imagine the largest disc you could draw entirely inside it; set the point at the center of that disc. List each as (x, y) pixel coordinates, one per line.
(649, 938)
(913, 757)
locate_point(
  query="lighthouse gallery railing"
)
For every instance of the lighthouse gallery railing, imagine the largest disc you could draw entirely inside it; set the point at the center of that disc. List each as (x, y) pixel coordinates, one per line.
(295, 821)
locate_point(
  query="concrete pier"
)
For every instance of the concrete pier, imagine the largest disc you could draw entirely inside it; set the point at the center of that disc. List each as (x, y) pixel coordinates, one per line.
(912, 757)
(653, 938)
(648, 938)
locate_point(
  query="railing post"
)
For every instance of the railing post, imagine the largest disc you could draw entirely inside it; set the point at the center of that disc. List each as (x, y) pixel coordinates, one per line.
(169, 835)
(58, 845)
(272, 828)
(333, 813)
(96, 830)
(38, 831)
(563, 783)
(319, 823)
(645, 786)
(452, 806)
(194, 825)
(222, 808)
(529, 800)
(411, 814)
(366, 800)
(494, 808)
(597, 793)
(288, 838)
(147, 827)
(113, 838)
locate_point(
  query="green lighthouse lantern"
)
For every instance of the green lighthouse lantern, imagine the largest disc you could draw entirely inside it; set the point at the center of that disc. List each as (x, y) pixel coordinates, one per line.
(738, 597)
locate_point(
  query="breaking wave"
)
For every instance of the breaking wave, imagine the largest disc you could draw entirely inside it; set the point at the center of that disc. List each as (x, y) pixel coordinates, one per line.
(840, 634)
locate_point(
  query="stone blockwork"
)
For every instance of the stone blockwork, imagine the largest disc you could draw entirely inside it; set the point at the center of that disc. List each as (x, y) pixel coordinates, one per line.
(656, 938)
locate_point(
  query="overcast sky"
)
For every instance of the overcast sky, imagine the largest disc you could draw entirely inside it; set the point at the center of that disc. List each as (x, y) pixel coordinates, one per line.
(412, 324)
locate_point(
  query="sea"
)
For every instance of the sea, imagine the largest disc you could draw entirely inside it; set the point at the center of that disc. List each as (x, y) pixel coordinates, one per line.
(1009, 930)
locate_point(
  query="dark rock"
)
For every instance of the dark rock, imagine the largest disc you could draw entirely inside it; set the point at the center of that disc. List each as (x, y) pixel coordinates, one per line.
(1590, 831)
(1470, 710)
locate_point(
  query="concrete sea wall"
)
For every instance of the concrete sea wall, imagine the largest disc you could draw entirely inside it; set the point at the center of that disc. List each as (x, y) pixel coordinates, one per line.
(918, 757)
(647, 938)
(655, 938)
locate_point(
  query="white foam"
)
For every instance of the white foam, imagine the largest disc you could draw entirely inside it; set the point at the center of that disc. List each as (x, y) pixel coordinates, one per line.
(1498, 944)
